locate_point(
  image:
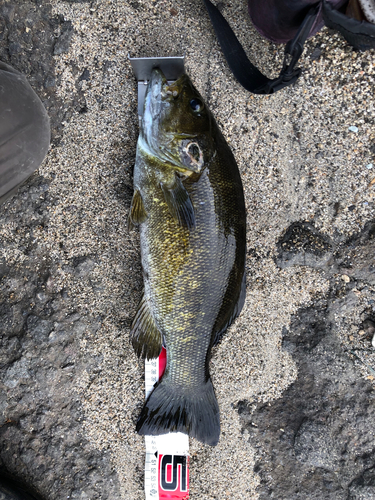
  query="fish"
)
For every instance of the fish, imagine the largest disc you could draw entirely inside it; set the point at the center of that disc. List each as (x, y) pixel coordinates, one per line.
(189, 205)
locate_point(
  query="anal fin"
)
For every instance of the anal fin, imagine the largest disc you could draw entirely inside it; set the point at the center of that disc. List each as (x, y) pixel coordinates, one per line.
(144, 334)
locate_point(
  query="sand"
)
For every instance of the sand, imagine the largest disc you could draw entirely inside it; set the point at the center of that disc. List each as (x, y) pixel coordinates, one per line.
(299, 161)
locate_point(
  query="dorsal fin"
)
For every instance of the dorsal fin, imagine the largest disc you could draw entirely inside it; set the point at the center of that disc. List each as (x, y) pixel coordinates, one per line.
(227, 315)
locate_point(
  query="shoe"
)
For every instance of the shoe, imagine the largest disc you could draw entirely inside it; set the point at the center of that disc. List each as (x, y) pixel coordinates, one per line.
(11, 490)
(24, 131)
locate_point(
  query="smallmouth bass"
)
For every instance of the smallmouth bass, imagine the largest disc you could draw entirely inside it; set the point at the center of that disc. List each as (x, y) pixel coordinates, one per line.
(188, 202)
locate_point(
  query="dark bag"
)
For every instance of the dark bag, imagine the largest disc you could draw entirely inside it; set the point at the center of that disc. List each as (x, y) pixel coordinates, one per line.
(290, 22)
(279, 21)
(357, 31)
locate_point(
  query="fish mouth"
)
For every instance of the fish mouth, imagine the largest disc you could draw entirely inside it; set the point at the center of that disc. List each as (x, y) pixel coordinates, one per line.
(154, 106)
(153, 97)
(154, 140)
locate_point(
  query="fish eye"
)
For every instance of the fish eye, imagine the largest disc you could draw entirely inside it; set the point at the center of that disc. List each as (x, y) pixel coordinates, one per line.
(196, 105)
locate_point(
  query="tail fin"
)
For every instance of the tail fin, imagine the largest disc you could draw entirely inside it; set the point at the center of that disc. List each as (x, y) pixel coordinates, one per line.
(175, 408)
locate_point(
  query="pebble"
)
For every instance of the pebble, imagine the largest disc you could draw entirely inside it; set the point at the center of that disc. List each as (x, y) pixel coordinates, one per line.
(369, 166)
(353, 129)
(345, 278)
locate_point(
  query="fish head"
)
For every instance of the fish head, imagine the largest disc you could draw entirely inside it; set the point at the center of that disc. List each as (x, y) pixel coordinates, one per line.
(176, 125)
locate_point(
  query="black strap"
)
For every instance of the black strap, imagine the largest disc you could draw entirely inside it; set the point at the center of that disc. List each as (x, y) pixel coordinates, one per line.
(246, 73)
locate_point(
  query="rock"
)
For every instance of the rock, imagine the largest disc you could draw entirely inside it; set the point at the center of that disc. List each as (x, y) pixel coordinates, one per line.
(16, 373)
(302, 244)
(316, 441)
(62, 44)
(39, 361)
(353, 129)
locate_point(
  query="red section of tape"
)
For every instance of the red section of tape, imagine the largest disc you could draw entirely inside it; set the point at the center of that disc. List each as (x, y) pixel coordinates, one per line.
(162, 362)
(173, 477)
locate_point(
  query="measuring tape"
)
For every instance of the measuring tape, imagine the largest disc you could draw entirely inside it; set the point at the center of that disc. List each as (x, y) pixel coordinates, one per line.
(167, 456)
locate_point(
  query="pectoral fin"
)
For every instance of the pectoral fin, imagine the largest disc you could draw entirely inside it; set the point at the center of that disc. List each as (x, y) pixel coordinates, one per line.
(137, 213)
(179, 203)
(144, 334)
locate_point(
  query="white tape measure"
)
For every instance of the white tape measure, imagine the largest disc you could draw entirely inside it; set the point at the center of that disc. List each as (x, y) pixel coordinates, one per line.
(167, 456)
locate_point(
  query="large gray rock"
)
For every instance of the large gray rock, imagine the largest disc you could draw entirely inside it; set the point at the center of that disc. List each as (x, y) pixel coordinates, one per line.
(318, 440)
